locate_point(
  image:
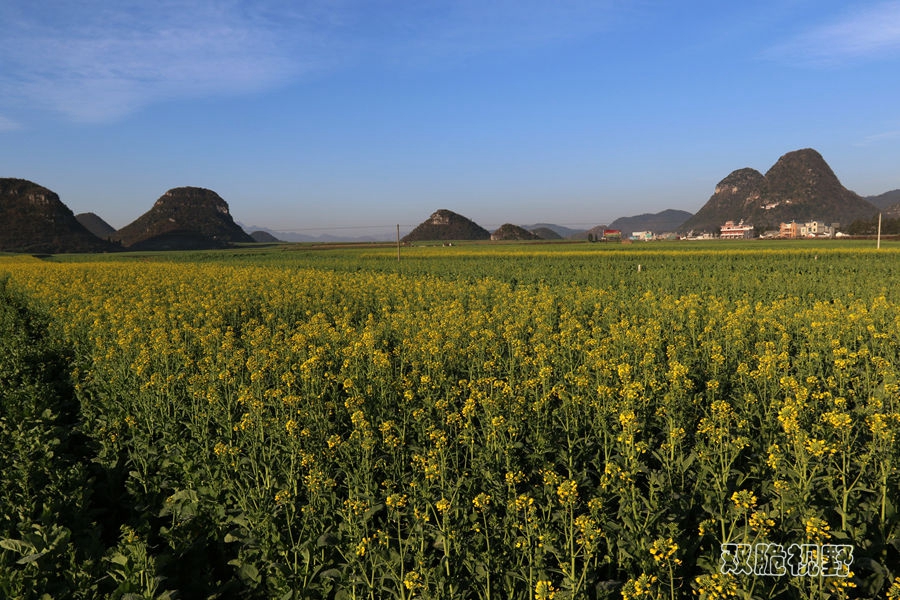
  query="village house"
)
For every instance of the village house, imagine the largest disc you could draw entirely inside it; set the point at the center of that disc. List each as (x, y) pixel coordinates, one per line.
(816, 229)
(730, 231)
(810, 229)
(789, 230)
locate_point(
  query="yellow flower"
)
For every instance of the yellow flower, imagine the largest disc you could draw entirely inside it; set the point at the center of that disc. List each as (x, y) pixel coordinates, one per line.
(514, 478)
(774, 457)
(716, 587)
(838, 420)
(550, 477)
(893, 592)
(662, 550)
(744, 500)
(356, 507)
(413, 581)
(481, 501)
(642, 587)
(396, 501)
(817, 529)
(761, 522)
(567, 492)
(524, 502)
(544, 590)
(818, 447)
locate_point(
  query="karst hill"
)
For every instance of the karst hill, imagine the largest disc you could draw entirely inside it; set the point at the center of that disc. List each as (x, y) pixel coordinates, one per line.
(184, 218)
(446, 225)
(34, 220)
(509, 232)
(799, 187)
(96, 225)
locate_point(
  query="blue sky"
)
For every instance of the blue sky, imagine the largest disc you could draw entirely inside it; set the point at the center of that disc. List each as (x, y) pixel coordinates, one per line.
(320, 114)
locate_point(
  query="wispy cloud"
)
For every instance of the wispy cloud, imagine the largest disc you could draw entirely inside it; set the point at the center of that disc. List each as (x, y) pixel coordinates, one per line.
(867, 32)
(879, 137)
(100, 60)
(421, 33)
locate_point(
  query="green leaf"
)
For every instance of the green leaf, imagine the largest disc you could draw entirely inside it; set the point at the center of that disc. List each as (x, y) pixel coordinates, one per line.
(30, 558)
(248, 572)
(17, 546)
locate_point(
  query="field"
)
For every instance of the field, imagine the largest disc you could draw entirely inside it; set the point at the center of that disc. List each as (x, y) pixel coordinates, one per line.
(476, 421)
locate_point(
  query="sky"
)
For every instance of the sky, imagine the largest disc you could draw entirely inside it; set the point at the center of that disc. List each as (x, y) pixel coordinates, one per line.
(350, 116)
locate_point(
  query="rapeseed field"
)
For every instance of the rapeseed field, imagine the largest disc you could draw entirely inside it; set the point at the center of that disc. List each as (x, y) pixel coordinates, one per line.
(526, 422)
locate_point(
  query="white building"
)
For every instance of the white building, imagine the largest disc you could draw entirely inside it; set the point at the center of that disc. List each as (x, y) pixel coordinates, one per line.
(730, 231)
(816, 229)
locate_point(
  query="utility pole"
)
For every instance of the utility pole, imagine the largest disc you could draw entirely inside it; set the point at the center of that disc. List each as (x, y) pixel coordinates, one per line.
(878, 244)
(398, 242)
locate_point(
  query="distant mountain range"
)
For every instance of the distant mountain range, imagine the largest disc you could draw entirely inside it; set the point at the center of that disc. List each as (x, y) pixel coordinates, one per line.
(887, 200)
(325, 238)
(662, 222)
(264, 237)
(562, 232)
(800, 187)
(545, 233)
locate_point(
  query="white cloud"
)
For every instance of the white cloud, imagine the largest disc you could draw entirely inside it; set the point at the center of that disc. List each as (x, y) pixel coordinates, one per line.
(99, 60)
(865, 33)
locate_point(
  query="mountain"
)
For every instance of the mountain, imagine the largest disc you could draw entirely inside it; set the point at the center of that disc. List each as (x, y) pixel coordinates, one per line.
(185, 218)
(96, 225)
(885, 200)
(382, 234)
(264, 236)
(545, 233)
(595, 232)
(563, 232)
(661, 222)
(799, 187)
(447, 225)
(36, 221)
(508, 232)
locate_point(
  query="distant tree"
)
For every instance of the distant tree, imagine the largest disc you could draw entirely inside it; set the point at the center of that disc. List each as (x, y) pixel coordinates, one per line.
(870, 226)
